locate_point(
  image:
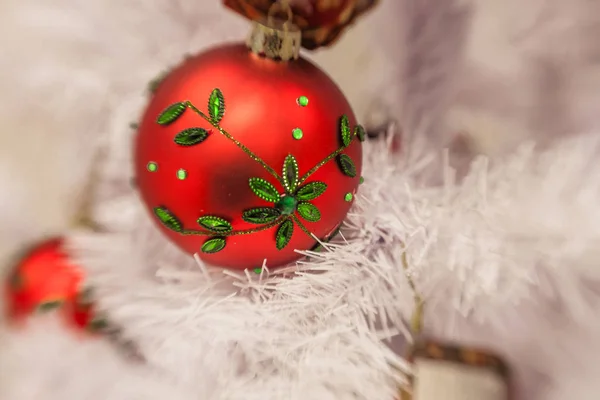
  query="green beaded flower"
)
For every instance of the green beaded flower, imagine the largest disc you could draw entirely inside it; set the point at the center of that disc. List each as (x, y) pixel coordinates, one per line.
(294, 200)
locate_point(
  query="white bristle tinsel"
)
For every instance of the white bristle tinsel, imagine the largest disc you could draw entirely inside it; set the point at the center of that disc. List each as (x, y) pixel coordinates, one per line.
(504, 258)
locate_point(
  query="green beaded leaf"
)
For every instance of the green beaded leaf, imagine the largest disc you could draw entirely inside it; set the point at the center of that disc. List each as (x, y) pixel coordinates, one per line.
(261, 215)
(346, 165)
(214, 224)
(171, 113)
(216, 105)
(264, 190)
(345, 132)
(309, 212)
(168, 219)
(290, 173)
(311, 191)
(360, 133)
(284, 234)
(213, 245)
(191, 136)
(49, 306)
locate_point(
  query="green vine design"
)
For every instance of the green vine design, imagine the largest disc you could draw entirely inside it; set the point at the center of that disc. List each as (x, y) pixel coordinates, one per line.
(290, 206)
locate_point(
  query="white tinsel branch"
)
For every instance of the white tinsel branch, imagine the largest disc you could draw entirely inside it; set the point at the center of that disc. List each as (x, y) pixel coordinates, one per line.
(486, 253)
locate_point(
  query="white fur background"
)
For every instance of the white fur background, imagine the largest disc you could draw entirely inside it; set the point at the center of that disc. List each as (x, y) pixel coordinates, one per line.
(507, 259)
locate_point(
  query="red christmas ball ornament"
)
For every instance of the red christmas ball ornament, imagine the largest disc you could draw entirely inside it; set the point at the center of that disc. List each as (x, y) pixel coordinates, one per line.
(43, 280)
(46, 279)
(245, 152)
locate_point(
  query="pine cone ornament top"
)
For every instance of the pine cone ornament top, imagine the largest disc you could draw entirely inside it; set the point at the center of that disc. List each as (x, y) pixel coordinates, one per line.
(322, 22)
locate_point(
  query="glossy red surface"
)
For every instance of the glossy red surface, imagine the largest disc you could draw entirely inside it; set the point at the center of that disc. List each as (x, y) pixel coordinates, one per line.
(261, 112)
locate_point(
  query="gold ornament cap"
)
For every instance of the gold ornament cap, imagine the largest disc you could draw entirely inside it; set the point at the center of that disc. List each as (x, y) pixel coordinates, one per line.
(274, 38)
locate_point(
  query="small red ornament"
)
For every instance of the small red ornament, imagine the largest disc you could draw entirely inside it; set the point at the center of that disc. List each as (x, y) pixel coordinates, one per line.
(44, 279)
(47, 279)
(243, 154)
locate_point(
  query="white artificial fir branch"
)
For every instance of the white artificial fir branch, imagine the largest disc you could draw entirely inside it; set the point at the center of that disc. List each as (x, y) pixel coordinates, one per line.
(477, 249)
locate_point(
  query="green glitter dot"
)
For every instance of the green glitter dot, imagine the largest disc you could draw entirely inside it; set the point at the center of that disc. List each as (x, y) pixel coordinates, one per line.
(348, 196)
(152, 166)
(181, 174)
(257, 271)
(287, 205)
(302, 101)
(297, 133)
(361, 180)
